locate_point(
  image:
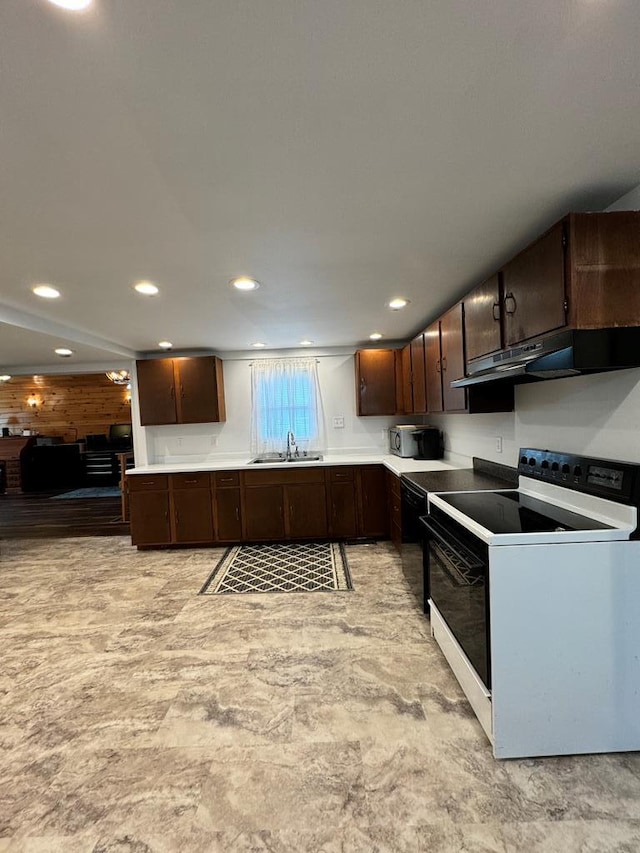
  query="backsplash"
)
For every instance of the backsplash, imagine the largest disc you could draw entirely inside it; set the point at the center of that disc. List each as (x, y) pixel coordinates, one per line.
(596, 415)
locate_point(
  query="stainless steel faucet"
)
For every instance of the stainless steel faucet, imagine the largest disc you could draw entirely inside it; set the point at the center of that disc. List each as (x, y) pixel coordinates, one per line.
(291, 442)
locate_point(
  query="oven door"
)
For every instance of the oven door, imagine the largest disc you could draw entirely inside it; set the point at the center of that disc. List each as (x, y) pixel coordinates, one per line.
(414, 505)
(458, 580)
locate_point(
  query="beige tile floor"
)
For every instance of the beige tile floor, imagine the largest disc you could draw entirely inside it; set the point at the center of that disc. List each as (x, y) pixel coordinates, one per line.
(138, 717)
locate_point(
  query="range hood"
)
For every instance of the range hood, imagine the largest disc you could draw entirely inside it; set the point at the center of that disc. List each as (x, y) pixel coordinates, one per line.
(567, 353)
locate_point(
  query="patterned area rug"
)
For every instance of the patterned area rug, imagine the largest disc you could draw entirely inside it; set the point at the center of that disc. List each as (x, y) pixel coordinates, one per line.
(287, 567)
(93, 492)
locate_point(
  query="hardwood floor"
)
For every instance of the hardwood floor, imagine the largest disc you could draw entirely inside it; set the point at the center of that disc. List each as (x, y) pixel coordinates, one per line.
(37, 516)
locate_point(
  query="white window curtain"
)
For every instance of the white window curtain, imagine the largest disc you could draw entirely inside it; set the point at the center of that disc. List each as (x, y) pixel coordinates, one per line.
(285, 397)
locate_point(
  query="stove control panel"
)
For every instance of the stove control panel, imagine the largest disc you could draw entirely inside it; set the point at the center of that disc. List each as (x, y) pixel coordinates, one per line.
(618, 481)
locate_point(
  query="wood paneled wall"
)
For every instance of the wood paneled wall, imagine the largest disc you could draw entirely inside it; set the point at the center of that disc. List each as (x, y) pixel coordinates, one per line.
(67, 406)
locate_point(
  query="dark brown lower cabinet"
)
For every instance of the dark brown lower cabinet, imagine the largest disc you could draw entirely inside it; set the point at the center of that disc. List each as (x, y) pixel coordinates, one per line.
(342, 510)
(192, 520)
(259, 506)
(228, 515)
(263, 513)
(149, 517)
(306, 511)
(395, 509)
(373, 512)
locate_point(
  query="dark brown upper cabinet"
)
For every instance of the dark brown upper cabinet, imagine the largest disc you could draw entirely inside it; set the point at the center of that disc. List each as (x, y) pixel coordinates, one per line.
(446, 362)
(433, 368)
(407, 390)
(180, 390)
(452, 359)
(376, 381)
(483, 319)
(156, 391)
(535, 300)
(603, 269)
(418, 376)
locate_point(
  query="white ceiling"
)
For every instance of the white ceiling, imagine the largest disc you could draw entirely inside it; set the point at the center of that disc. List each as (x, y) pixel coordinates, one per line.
(340, 152)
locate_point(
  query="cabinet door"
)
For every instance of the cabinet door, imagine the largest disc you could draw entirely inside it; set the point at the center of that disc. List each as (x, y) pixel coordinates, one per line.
(407, 392)
(482, 319)
(149, 513)
(418, 376)
(395, 509)
(192, 515)
(534, 292)
(156, 391)
(342, 510)
(433, 367)
(228, 515)
(197, 390)
(376, 382)
(264, 513)
(452, 359)
(306, 511)
(373, 512)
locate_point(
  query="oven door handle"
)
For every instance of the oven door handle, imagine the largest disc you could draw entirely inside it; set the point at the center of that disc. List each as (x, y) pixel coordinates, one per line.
(453, 554)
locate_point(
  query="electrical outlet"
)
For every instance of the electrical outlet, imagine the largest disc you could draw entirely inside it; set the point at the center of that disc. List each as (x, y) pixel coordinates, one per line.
(498, 444)
(179, 442)
(338, 423)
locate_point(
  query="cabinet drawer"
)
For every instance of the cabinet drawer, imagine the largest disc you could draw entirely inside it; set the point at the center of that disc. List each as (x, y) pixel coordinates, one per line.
(282, 477)
(225, 478)
(197, 480)
(340, 474)
(150, 482)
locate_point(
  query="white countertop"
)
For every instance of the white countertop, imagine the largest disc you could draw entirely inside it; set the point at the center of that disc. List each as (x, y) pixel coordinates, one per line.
(226, 463)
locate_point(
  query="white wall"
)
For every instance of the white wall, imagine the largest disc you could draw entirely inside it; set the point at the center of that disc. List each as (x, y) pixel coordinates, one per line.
(337, 383)
(595, 415)
(629, 201)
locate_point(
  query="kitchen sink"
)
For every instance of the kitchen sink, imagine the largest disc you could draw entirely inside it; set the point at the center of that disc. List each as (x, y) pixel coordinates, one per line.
(275, 458)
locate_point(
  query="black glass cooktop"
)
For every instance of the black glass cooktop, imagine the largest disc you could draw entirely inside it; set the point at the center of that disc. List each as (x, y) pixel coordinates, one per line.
(513, 512)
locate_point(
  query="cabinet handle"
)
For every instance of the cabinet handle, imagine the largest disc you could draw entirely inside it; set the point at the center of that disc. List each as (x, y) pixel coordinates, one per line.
(510, 298)
(438, 366)
(443, 363)
(182, 392)
(177, 516)
(496, 311)
(172, 391)
(226, 479)
(148, 482)
(237, 513)
(190, 482)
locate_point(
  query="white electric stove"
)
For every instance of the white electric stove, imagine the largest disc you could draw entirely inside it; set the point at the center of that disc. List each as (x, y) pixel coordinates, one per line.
(534, 597)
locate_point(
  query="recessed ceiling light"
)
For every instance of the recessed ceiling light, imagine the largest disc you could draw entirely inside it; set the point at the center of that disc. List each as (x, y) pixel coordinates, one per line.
(46, 291)
(146, 288)
(258, 345)
(305, 343)
(63, 352)
(72, 5)
(397, 304)
(165, 344)
(5, 377)
(375, 336)
(245, 283)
